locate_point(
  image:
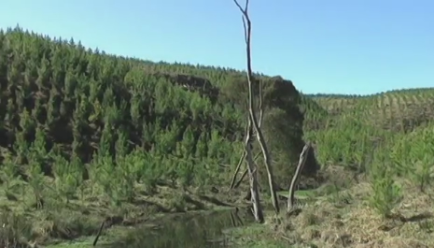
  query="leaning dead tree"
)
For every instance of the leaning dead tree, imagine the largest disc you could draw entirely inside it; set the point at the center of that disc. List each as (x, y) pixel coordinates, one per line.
(302, 161)
(253, 128)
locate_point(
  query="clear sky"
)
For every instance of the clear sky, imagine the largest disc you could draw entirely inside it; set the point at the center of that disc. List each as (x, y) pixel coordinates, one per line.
(323, 46)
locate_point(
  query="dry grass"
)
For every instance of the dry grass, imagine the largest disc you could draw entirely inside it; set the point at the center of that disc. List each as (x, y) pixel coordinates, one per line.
(358, 225)
(345, 219)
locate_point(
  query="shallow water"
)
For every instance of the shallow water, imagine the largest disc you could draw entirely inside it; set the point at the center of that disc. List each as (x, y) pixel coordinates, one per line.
(189, 230)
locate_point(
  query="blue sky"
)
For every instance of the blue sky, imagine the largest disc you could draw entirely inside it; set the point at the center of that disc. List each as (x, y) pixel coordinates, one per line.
(333, 46)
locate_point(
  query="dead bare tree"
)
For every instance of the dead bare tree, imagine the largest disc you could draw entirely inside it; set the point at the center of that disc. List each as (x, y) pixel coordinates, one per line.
(253, 122)
(302, 161)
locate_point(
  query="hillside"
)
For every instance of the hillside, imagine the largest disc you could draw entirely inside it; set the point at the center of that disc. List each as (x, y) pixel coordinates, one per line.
(93, 136)
(77, 102)
(72, 117)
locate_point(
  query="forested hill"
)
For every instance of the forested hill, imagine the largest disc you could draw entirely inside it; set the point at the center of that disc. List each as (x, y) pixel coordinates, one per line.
(63, 103)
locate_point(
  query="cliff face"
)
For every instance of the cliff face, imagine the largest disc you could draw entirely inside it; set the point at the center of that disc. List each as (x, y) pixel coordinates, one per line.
(285, 128)
(282, 121)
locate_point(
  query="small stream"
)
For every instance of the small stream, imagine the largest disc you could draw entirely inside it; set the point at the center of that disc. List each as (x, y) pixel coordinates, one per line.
(188, 230)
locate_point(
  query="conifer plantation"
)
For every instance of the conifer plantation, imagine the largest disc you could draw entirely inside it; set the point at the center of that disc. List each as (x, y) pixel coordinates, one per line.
(88, 137)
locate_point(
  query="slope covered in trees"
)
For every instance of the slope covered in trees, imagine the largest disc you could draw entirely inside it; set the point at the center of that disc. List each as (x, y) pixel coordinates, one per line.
(116, 121)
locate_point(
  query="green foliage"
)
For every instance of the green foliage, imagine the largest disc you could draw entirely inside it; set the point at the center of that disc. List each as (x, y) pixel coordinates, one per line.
(376, 134)
(385, 191)
(112, 124)
(416, 149)
(68, 176)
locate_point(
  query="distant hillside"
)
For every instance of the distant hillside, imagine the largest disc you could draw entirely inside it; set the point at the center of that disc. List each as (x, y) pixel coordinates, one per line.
(397, 109)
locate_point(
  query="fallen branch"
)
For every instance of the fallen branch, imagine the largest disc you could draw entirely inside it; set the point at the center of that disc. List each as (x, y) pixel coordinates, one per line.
(241, 179)
(99, 233)
(237, 170)
(107, 223)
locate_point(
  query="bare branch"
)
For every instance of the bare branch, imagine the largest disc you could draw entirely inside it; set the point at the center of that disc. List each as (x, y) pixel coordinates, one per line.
(245, 18)
(243, 10)
(245, 30)
(237, 170)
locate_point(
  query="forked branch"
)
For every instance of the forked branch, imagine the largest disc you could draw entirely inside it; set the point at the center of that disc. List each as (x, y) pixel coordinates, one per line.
(234, 182)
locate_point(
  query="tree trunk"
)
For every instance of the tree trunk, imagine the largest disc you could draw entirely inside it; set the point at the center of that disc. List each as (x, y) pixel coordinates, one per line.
(252, 120)
(257, 129)
(257, 211)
